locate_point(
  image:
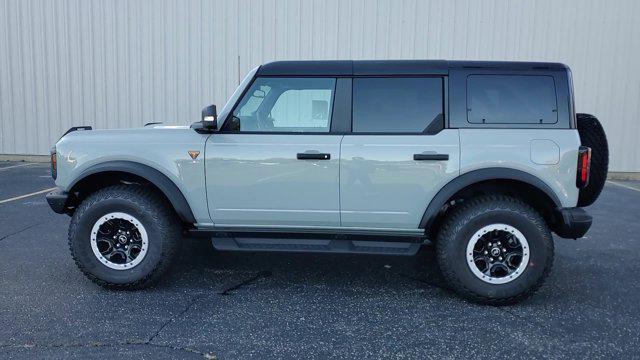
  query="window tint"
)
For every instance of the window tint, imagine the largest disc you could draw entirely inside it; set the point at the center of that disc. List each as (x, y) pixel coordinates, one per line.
(511, 99)
(397, 105)
(285, 105)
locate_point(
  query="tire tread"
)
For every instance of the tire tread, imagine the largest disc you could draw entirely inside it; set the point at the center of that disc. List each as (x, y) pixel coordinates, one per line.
(466, 212)
(164, 219)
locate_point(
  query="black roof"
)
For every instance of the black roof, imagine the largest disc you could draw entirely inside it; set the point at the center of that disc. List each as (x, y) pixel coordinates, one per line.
(392, 67)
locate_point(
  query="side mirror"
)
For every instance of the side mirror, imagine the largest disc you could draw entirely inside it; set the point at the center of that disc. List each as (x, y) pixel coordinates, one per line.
(209, 121)
(210, 117)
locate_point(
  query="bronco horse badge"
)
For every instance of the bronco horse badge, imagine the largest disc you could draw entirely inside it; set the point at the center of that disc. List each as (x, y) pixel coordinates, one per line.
(193, 153)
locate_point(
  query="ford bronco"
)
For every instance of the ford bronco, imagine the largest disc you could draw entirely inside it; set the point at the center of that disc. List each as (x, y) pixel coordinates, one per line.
(483, 159)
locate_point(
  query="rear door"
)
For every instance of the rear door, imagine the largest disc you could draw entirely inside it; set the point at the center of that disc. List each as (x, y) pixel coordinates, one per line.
(275, 160)
(399, 153)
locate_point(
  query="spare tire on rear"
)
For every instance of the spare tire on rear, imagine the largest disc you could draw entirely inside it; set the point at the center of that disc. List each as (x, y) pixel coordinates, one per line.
(592, 135)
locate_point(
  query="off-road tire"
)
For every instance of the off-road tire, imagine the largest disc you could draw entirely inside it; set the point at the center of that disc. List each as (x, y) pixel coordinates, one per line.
(592, 135)
(472, 216)
(157, 217)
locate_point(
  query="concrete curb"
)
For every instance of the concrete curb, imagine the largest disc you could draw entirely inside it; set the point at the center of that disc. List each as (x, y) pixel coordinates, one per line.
(619, 175)
(25, 158)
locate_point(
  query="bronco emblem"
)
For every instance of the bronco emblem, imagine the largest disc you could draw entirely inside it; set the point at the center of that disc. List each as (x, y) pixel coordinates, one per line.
(193, 153)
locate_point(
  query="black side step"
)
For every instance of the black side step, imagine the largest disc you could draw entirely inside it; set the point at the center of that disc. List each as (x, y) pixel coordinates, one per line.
(316, 245)
(306, 233)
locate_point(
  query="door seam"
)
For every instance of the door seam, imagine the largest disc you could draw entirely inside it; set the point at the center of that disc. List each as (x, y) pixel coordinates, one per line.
(340, 182)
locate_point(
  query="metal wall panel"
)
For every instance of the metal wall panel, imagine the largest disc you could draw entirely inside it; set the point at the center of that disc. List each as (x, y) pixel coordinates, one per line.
(124, 63)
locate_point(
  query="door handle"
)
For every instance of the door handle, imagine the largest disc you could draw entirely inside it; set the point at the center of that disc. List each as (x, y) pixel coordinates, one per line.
(313, 156)
(432, 157)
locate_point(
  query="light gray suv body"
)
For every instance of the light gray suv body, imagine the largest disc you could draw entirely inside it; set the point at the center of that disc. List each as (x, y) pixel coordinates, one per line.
(343, 156)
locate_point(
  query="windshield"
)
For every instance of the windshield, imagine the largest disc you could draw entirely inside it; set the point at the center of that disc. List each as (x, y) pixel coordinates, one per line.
(236, 95)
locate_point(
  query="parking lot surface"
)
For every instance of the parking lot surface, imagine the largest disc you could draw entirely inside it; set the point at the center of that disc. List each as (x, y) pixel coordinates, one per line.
(276, 305)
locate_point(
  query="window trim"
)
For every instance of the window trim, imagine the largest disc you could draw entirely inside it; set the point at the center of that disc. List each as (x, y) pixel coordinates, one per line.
(341, 122)
(250, 85)
(458, 94)
(555, 91)
(445, 104)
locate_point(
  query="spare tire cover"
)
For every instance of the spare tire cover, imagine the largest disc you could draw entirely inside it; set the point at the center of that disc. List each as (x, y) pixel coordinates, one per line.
(592, 135)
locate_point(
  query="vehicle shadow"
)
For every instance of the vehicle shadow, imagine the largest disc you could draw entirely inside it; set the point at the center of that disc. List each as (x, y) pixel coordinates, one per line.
(200, 265)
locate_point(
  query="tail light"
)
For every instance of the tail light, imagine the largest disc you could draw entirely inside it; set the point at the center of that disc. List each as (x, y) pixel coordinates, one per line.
(54, 164)
(584, 167)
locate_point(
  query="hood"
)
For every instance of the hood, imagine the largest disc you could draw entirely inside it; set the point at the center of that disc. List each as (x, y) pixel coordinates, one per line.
(151, 134)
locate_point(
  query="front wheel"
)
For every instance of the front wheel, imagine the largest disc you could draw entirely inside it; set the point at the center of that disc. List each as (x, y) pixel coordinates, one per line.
(495, 250)
(124, 237)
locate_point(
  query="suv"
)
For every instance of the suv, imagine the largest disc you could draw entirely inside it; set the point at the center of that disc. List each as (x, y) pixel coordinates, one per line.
(483, 159)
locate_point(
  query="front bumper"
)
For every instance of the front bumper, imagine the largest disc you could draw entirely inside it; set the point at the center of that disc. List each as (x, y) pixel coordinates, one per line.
(572, 223)
(57, 200)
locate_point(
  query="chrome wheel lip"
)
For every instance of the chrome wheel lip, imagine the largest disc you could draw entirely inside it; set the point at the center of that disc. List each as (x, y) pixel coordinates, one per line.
(504, 279)
(143, 235)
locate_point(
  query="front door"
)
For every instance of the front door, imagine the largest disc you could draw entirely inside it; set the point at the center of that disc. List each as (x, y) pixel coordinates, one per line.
(275, 161)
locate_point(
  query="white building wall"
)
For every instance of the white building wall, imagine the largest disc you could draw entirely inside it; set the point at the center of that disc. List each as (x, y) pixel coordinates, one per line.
(124, 63)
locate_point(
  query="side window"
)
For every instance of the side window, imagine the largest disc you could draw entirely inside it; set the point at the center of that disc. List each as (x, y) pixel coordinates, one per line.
(397, 105)
(285, 105)
(511, 99)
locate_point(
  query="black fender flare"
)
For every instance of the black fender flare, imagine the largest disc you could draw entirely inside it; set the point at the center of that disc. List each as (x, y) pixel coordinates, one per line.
(476, 176)
(154, 176)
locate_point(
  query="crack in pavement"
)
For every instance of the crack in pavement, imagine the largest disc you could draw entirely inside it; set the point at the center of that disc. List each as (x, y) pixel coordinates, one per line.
(192, 302)
(256, 277)
(55, 345)
(74, 344)
(150, 340)
(23, 229)
(173, 318)
(199, 297)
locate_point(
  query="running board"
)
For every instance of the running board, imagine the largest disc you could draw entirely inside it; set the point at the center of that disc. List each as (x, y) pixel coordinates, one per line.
(316, 245)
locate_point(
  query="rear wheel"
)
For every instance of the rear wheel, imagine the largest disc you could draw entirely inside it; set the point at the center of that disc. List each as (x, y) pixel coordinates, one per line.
(495, 250)
(124, 237)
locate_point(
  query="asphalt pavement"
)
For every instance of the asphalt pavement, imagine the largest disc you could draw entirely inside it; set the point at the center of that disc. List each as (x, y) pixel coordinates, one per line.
(227, 305)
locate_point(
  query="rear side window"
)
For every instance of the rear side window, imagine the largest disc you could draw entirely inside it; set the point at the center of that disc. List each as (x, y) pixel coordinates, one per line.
(397, 105)
(511, 99)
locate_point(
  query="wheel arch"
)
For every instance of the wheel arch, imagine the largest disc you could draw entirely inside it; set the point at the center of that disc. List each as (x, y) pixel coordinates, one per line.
(488, 180)
(112, 172)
